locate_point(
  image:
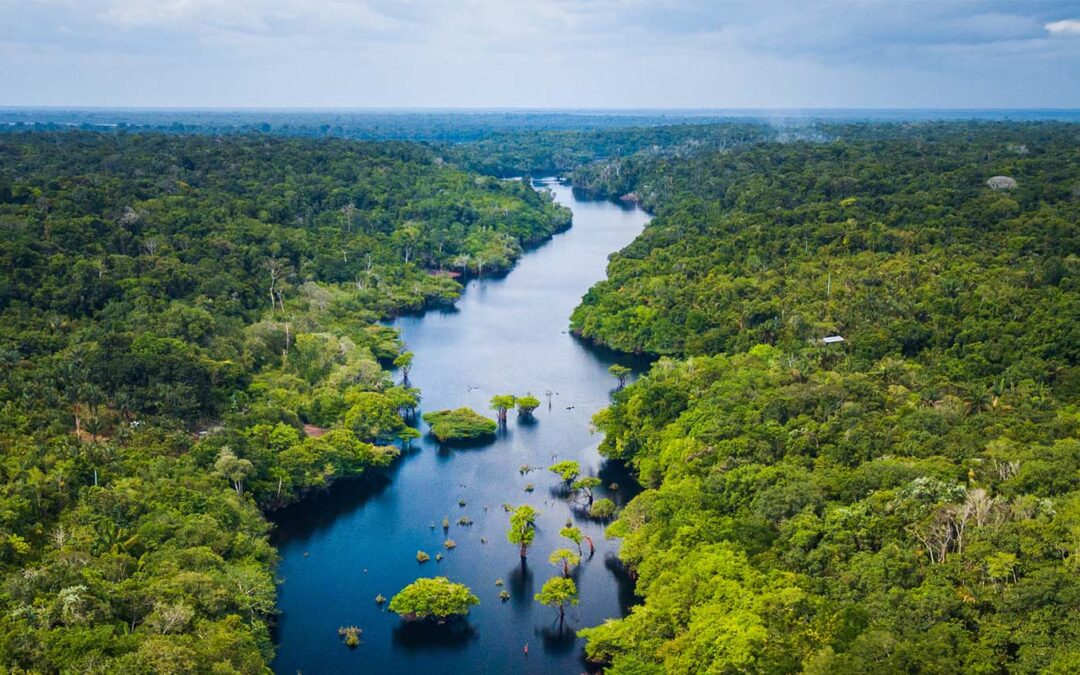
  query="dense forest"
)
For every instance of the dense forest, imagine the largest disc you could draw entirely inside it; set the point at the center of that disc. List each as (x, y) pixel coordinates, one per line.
(189, 336)
(904, 500)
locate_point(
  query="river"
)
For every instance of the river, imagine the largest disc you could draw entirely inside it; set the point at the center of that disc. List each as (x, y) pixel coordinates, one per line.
(341, 548)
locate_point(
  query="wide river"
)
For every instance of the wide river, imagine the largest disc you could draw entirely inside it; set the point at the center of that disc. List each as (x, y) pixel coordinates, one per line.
(342, 548)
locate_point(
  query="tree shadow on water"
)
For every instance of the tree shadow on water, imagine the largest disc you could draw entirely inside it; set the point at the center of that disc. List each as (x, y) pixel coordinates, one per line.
(557, 639)
(321, 509)
(624, 582)
(454, 635)
(521, 583)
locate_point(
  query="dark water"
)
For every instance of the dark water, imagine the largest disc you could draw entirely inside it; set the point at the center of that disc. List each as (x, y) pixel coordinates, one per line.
(342, 548)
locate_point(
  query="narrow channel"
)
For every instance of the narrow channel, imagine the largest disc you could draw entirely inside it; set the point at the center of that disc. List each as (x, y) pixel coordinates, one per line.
(342, 548)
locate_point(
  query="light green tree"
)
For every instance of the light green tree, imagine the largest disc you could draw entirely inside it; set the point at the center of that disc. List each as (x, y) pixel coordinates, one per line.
(565, 558)
(558, 593)
(586, 485)
(573, 534)
(526, 405)
(620, 373)
(501, 403)
(522, 528)
(568, 470)
(437, 598)
(233, 468)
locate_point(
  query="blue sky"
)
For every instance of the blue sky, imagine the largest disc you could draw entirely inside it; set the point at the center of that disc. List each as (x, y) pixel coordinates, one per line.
(541, 53)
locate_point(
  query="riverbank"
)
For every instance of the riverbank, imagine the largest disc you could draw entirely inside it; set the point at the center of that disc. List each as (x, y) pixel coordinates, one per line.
(339, 550)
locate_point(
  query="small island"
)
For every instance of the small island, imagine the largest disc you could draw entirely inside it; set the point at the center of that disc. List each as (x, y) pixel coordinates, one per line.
(460, 425)
(437, 599)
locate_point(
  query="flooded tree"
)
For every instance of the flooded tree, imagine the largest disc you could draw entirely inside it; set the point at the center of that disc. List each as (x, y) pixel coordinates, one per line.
(565, 558)
(501, 403)
(437, 599)
(586, 485)
(558, 593)
(573, 534)
(526, 405)
(568, 470)
(620, 373)
(404, 363)
(522, 528)
(603, 509)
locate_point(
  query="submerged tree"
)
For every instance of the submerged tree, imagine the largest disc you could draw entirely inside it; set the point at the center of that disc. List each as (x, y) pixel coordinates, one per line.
(565, 558)
(620, 373)
(568, 470)
(573, 534)
(603, 509)
(558, 593)
(586, 485)
(437, 598)
(526, 405)
(501, 403)
(522, 528)
(404, 363)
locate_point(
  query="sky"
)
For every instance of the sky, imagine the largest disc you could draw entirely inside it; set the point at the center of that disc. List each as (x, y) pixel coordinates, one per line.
(541, 53)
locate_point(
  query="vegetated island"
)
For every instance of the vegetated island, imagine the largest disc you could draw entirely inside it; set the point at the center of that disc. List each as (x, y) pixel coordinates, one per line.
(461, 425)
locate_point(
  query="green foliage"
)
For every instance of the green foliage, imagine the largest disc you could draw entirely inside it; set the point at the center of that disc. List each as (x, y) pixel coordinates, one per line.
(372, 415)
(602, 509)
(587, 485)
(564, 558)
(436, 598)
(558, 593)
(527, 404)
(905, 501)
(500, 403)
(461, 424)
(868, 238)
(620, 373)
(574, 534)
(522, 528)
(567, 469)
(188, 332)
(403, 362)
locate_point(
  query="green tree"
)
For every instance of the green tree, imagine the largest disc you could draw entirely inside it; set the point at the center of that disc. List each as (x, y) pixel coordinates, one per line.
(568, 470)
(437, 598)
(565, 558)
(522, 528)
(403, 362)
(586, 485)
(574, 534)
(558, 593)
(526, 405)
(501, 403)
(620, 373)
(603, 509)
(233, 468)
(372, 416)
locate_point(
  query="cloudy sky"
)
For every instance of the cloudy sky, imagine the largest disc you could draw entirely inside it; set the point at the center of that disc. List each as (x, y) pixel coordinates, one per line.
(541, 53)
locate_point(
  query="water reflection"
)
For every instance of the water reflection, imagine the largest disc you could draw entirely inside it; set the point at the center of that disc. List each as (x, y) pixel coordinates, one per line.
(453, 635)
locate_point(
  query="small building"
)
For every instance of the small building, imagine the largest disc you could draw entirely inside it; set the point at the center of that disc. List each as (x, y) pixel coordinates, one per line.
(831, 340)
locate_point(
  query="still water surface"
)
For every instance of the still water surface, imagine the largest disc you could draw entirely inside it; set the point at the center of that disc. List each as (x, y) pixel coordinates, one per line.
(342, 548)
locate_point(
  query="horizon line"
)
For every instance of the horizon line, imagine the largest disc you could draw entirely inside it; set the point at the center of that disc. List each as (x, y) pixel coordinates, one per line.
(526, 109)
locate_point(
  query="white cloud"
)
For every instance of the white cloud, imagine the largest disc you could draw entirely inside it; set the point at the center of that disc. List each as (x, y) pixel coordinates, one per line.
(576, 53)
(1066, 27)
